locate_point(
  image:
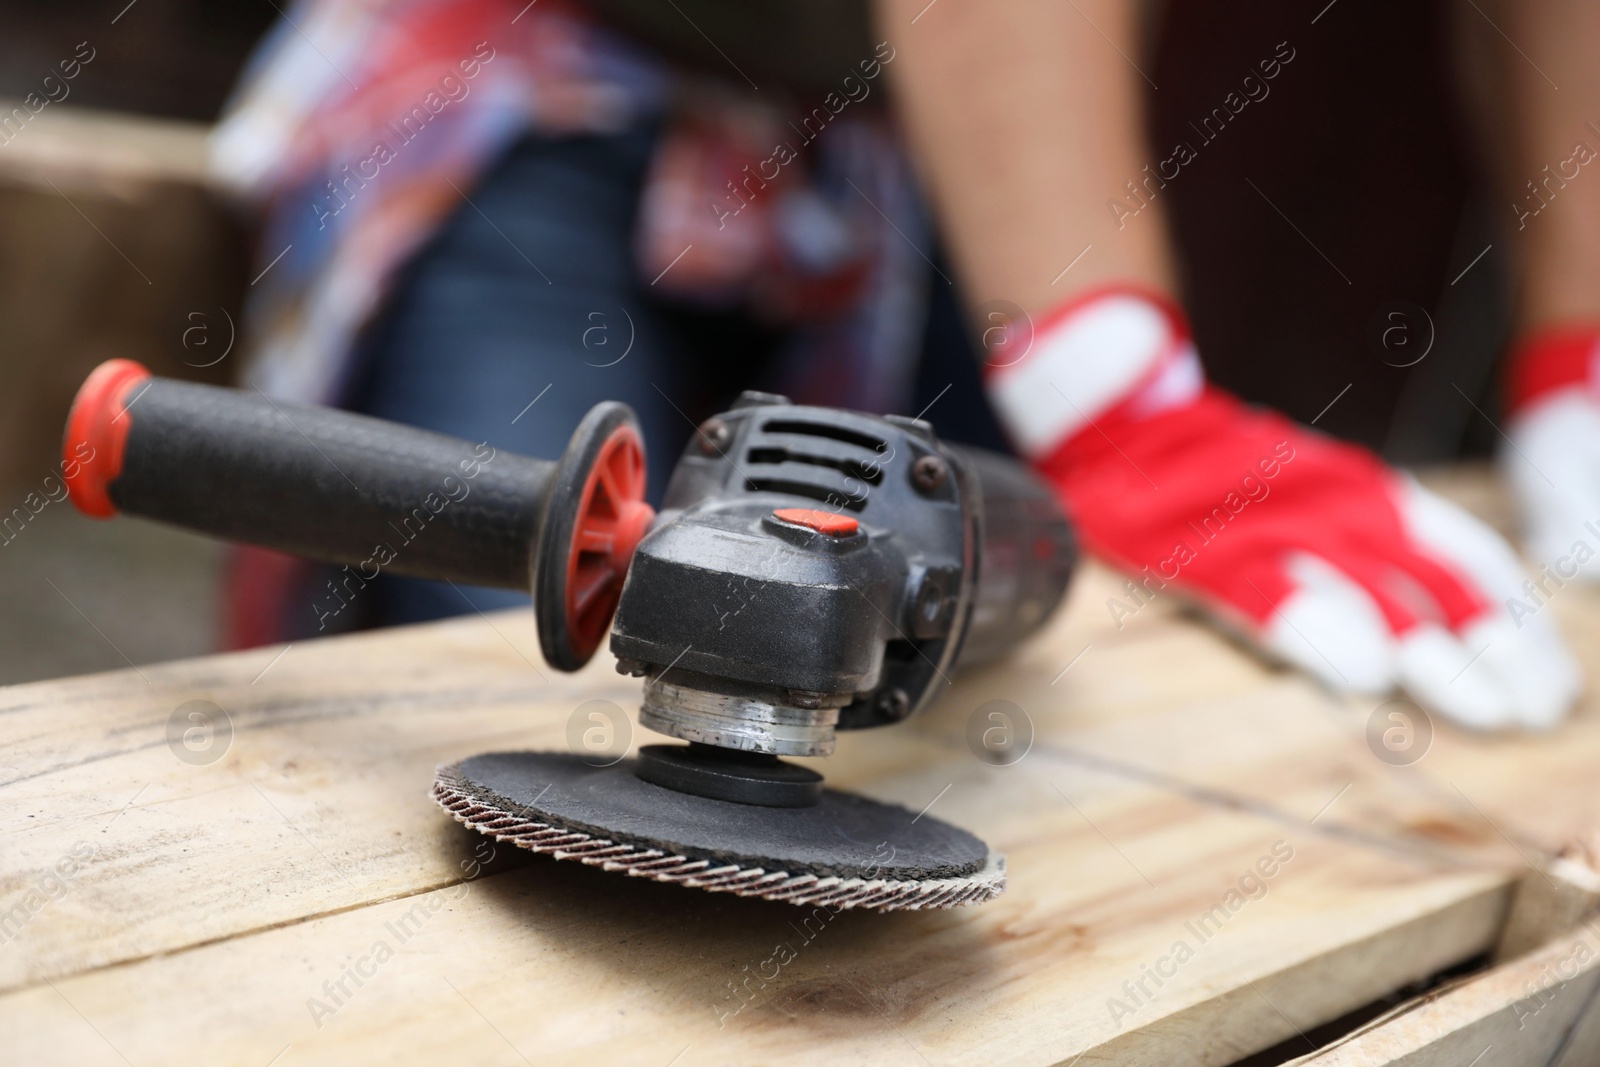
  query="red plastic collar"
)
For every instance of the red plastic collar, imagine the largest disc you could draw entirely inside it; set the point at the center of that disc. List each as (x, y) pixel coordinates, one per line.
(1550, 360)
(612, 517)
(97, 432)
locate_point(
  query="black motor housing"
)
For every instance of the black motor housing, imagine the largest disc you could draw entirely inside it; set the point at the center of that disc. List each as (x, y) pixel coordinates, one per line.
(955, 555)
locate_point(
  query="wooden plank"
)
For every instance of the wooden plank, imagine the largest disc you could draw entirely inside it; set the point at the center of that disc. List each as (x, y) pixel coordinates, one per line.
(1554, 897)
(319, 803)
(567, 969)
(1540, 1004)
(112, 243)
(1165, 765)
(268, 871)
(1211, 722)
(78, 147)
(1537, 1009)
(1540, 787)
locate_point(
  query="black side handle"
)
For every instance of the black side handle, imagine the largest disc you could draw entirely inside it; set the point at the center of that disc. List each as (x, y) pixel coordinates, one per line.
(313, 482)
(370, 494)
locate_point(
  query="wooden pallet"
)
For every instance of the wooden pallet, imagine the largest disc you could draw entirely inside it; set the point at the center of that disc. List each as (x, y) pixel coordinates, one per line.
(113, 244)
(1206, 859)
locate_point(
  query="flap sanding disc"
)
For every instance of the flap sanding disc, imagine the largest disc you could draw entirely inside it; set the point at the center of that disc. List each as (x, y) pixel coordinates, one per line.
(845, 852)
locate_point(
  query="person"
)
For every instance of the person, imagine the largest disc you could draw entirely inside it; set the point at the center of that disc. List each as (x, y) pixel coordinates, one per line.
(1352, 572)
(464, 191)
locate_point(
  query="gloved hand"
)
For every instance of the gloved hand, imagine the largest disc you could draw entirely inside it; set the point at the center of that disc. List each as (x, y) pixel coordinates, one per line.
(1552, 459)
(1310, 548)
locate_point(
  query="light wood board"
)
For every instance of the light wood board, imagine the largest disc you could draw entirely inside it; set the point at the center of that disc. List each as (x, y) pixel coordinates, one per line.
(85, 147)
(217, 900)
(1538, 1009)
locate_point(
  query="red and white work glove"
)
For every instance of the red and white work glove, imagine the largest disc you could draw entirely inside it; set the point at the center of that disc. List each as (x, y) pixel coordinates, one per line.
(1312, 549)
(1553, 459)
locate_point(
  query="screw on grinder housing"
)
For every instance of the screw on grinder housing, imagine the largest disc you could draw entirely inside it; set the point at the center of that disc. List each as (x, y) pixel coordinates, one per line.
(815, 570)
(341, 487)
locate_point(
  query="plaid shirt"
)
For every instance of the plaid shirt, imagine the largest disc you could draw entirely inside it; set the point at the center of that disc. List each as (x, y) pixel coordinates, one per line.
(360, 125)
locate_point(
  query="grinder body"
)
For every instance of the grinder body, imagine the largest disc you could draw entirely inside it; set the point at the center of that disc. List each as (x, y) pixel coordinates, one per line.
(816, 569)
(812, 570)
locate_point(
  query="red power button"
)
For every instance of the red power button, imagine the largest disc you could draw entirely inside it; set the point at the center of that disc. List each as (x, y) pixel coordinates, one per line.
(824, 522)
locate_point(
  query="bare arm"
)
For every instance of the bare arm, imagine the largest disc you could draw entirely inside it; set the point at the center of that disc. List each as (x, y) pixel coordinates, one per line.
(1554, 89)
(1024, 121)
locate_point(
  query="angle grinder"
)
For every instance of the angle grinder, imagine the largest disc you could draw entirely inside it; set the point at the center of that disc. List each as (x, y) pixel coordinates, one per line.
(812, 570)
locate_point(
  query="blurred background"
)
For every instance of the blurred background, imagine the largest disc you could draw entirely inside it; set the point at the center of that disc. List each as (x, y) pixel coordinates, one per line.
(114, 243)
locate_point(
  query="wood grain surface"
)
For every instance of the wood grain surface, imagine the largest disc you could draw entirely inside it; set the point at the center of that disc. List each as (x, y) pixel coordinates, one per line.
(1206, 858)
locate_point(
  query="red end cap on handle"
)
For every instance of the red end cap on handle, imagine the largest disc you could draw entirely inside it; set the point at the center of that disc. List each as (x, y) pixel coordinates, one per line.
(97, 431)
